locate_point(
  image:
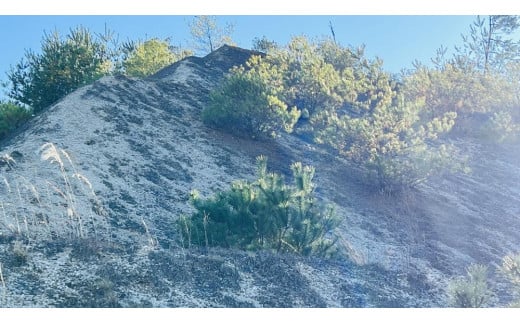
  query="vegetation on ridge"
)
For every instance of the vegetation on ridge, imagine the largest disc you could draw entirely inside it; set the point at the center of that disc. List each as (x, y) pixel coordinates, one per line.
(146, 58)
(63, 65)
(11, 117)
(343, 101)
(246, 104)
(474, 290)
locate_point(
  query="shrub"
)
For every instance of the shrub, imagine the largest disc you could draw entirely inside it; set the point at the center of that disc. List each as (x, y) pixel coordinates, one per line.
(453, 88)
(480, 82)
(472, 290)
(304, 75)
(264, 214)
(308, 75)
(246, 105)
(264, 45)
(500, 127)
(20, 253)
(11, 117)
(356, 108)
(150, 56)
(389, 143)
(64, 65)
(511, 270)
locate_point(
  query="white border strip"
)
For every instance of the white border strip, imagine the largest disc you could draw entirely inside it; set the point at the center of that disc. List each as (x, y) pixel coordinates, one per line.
(259, 7)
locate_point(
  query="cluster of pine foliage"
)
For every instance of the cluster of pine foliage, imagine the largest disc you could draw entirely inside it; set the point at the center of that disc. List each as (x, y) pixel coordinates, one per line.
(392, 128)
(474, 290)
(264, 214)
(63, 65)
(246, 104)
(342, 100)
(11, 117)
(480, 82)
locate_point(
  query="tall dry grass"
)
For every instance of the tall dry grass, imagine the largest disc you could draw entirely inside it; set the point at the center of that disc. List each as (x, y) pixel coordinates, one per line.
(60, 205)
(4, 288)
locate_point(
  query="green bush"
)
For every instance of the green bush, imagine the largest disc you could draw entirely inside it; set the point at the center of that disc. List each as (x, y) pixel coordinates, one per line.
(472, 290)
(245, 105)
(353, 106)
(390, 143)
(63, 65)
(311, 76)
(150, 56)
(480, 81)
(264, 214)
(500, 127)
(450, 88)
(511, 270)
(11, 117)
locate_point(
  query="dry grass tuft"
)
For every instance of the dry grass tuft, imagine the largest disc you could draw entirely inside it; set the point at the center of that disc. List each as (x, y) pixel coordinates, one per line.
(64, 206)
(4, 288)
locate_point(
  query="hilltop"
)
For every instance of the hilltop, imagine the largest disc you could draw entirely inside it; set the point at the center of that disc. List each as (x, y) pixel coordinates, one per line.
(92, 188)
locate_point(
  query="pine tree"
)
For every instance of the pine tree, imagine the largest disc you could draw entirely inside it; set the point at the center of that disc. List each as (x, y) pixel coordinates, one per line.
(63, 66)
(148, 57)
(247, 105)
(490, 45)
(208, 35)
(264, 45)
(264, 214)
(351, 103)
(511, 270)
(471, 291)
(11, 117)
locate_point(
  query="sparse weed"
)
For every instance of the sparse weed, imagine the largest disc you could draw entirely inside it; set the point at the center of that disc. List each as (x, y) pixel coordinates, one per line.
(500, 127)
(20, 253)
(511, 270)
(4, 288)
(152, 242)
(472, 290)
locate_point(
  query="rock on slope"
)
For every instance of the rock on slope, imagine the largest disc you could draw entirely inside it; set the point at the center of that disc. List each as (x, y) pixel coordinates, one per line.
(91, 188)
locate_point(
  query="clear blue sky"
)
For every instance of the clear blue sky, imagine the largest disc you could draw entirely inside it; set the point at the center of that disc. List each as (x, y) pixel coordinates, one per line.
(398, 40)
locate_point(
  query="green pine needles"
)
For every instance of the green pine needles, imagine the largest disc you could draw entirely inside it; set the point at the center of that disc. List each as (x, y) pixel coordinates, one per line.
(11, 117)
(62, 66)
(342, 101)
(247, 105)
(471, 291)
(264, 214)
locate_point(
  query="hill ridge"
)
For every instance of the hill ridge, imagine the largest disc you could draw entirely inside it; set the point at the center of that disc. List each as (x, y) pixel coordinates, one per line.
(100, 177)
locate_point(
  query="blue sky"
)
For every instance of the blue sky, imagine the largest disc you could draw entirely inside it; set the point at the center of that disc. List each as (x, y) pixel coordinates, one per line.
(398, 40)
